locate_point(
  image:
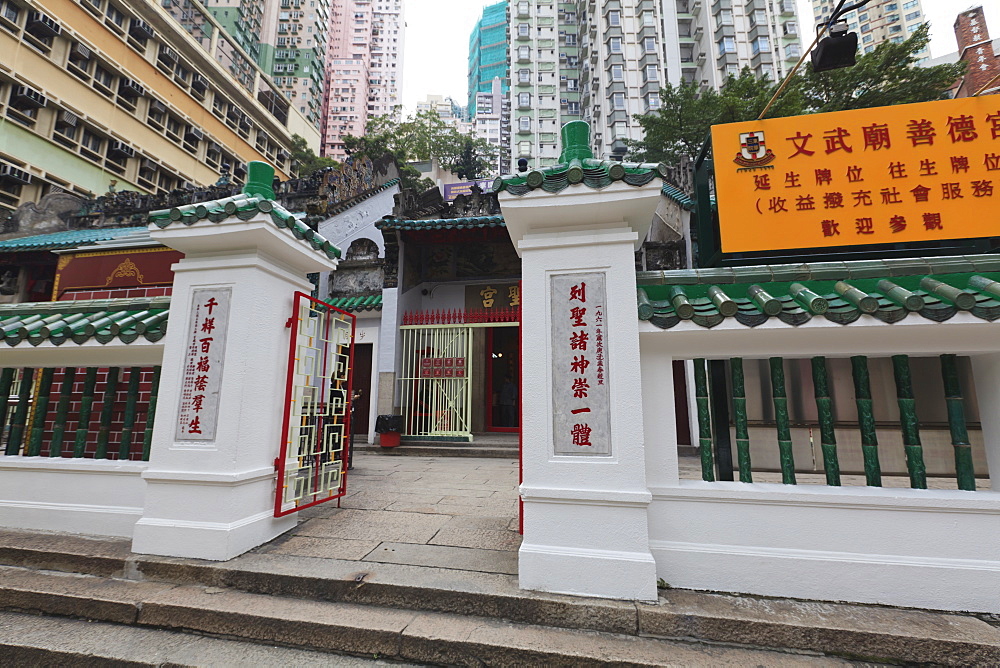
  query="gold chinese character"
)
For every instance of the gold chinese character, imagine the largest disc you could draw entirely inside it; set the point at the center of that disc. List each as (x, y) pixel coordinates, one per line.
(488, 293)
(514, 294)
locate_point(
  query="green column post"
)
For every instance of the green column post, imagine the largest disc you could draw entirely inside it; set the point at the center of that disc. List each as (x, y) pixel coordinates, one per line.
(740, 418)
(16, 435)
(147, 439)
(964, 470)
(866, 419)
(908, 421)
(824, 410)
(6, 380)
(86, 408)
(780, 399)
(62, 411)
(41, 411)
(107, 413)
(704, 420)
(134, 375)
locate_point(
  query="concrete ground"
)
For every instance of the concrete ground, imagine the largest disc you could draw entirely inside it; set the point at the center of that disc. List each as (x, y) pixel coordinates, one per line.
(446, 512)
(456, 512)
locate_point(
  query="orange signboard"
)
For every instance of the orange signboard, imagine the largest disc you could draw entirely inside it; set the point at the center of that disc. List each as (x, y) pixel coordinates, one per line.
(900, 174)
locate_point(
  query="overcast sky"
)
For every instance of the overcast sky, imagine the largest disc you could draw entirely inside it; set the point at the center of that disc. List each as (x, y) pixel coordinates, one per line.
(436, 52)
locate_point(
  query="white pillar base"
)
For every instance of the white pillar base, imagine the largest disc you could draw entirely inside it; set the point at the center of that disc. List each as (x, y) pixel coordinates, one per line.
(238, 522)
(567, 564)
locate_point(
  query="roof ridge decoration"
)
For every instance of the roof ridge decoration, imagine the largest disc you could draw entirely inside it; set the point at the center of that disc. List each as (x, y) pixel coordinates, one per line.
(578, 165)
(257, 198)
(889, 290)
(472, 222)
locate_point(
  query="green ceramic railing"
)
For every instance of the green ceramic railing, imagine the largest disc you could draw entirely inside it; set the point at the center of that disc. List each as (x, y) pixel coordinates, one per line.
(909, 422)
(34, 423)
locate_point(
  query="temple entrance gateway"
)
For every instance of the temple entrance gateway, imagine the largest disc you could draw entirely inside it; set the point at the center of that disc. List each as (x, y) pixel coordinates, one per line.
(503, 373)
(435, 381)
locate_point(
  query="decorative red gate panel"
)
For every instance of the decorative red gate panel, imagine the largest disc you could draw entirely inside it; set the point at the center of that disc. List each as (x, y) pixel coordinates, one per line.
(312, 464)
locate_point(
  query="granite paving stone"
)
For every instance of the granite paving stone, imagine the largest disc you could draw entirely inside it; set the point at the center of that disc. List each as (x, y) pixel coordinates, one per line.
(445, 556)
(483, 539)
(374, 525)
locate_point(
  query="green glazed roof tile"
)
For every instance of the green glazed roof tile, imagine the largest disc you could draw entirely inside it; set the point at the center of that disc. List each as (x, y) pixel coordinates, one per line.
(355, 304)
(104, 320)
(954, 277)
(390, 223)
(67, 239)
(244, 207)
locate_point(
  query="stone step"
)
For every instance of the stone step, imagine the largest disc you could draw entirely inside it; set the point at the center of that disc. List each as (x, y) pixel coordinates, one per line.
(874, 632)
(56, 642)
(343, 628)
(430, 449)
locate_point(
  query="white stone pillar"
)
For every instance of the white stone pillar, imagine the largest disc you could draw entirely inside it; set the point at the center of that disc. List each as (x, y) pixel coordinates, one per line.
(213, 498)
(585, 507)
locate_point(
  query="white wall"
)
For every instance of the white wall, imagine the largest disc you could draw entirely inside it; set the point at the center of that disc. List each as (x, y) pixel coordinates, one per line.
(937, 549)
(89, 496)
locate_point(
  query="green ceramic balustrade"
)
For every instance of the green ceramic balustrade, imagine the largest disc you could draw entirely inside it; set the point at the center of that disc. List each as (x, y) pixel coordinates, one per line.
(866, 420)
(86, 410)
(147, 439)
(780, 400)
(16, 435)
(965, 472)
(125, 448)
(41, 409)
(740, 419)
(704, 420)
(62, 412)
(6, 381)
(824, 412)
(909, 422)
(107, 412)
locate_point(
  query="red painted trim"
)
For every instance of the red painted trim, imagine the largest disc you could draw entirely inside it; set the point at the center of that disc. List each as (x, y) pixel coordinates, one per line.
(287, 414)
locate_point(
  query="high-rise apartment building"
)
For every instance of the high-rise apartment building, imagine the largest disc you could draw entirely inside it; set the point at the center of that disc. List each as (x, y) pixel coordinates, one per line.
(364, 62)
(605, 62)
(705, 42)
(489, 53)
(288, 39)
(149, 94)
(491, 123)
(877, 22)
(385, 83)
(545, 77)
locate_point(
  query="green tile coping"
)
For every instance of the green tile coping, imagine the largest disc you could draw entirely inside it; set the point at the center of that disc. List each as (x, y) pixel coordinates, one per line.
(352, 304)
(244, 207)
(66, 239)
(101, 319)
(390, 223)
(937, 288)
(578, 165)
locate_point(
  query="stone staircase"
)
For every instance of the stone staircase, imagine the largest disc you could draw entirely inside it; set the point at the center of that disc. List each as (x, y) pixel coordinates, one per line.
(102, 605)
(495, 445)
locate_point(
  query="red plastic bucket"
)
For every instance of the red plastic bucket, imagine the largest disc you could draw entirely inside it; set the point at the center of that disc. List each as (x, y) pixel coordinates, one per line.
(389, 439)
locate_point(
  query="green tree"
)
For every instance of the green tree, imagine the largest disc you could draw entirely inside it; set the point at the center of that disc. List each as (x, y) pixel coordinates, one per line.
(887, 75)
(420, 138)
(686, 114)
(306, 158)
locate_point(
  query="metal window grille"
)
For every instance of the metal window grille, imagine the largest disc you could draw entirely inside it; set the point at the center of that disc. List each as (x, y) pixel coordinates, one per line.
(435, 382)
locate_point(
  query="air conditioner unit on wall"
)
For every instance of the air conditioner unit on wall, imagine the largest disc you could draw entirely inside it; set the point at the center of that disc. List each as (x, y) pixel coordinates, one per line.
(12, 174)
(120, 149)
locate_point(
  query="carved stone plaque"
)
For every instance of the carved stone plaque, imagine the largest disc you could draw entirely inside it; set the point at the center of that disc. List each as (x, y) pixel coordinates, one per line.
(580, 398)
(202, 382)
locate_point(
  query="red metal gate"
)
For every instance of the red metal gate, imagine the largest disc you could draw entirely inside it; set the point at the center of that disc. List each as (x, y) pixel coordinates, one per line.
(312, 464)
